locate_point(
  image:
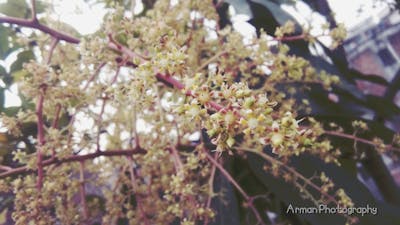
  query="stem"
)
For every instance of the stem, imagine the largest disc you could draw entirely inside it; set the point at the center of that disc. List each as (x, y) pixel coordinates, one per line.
(56, 116)
(36, 25)
(135, 133)
(382, 177)
(210, 60)
(40, 137)
(211, 187)
(73, 158)
(362, 140)
(178, 85)
(120, 48)
(137, 195)
(249, 200)
(167, 79)
(292, 171)
(54, 125)
(53, 45)
(33, 10)
(6, 168)
(290, 38)
(99, 119)
(177, 161)
(82, 191)
(98, 69)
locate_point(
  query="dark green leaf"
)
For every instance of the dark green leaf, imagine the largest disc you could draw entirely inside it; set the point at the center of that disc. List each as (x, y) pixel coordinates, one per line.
(19, 75)
(10, 111)
(6, 45)
(227, 206)
(3, 71)
(15, 8)
(41, 6)
(289, 195)
(308, 165)
(22, 57)
(5, 33)
(241, 7)
(1, 98)
(278, 13)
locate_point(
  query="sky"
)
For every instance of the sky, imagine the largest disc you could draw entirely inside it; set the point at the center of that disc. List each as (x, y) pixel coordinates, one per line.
(347, 11)
(76, 11)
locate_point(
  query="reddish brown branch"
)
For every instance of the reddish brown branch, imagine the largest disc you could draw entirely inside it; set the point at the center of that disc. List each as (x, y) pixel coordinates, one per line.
(165, 78)
(40, 137)
(291, 38)
(6, 168)
(210, 188)
(249, 200)
(82, 191)
(33, 10)
(362, 140)
(54, 125)
(120, 48)
(139, 199)
(99, 119)
(36, 25)
(273, 161)
(169, 80)
(73, 158)
(53, 45)
(94, 75)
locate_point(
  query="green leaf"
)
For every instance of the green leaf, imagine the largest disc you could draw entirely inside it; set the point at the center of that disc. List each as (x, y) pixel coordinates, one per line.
(22, 58)
(10, 111)
(7, 46)
(1, 98)
(307, 165)
(5, 33)
(227, 207)
(121, 38)
(15, 8)
(3, 71)
(279, 14)
(4, 76)
(241, 7)
(290, 195)
(19, 75)
(41, 6)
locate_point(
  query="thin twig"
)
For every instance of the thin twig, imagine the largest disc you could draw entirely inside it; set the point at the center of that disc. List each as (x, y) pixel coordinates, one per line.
(54, 125)
(99, 120)
(40, 137)
(94, 75)
(216, 56)
(118, 47)
(33, 10)
(53, 45)
(36, 25)
(6, 168)
(139, 200)
(165, 78)
(210, 187)
(292, 171)
(82, 191)
(103, 105)
(73, 158)
(249, 200)
(290, 38)
(362, 140)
